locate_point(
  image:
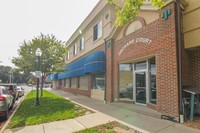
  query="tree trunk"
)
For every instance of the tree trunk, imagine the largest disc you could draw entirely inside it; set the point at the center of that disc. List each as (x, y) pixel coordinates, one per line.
(41, 87)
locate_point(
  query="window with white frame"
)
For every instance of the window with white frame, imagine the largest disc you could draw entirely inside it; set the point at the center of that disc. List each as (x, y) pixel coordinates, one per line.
(67, 56)
(75, 49)
(97, 31)
(82, 44)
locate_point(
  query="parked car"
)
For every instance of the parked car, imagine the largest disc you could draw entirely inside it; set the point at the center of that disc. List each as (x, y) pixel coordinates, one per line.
(6, 102)
(29, 84)
(12, 88)
(20, 91)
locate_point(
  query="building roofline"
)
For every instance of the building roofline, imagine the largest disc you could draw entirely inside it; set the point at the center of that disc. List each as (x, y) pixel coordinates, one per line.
(98, 7)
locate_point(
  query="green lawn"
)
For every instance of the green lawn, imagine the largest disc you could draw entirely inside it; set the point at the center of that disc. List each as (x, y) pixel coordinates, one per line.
(52, 108)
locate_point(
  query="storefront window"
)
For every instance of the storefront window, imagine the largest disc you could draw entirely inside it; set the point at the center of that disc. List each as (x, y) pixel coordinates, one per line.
(83, 82)
(67, 83)
(153, 98)
(140, 65)
(125, 82)
(99, 81)
(73, 83)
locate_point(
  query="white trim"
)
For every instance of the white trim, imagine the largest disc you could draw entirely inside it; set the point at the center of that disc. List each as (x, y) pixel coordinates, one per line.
(75, 49)
(134, 88)
(82, 43)
(147, 78)
(148, 82)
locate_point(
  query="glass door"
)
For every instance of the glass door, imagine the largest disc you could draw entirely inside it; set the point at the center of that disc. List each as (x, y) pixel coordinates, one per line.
(140, 86)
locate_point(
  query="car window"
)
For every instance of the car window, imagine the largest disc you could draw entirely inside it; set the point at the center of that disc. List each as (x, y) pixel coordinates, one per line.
(11, 87)
(5, 86)
(5, 91)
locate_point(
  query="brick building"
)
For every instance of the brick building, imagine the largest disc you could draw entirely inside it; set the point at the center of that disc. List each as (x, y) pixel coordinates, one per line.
(138, 63)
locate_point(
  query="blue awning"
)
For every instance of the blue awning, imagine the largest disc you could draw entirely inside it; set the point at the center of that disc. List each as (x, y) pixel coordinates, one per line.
(92, 63)
(95, 62)
(53, 77)
(72, 70)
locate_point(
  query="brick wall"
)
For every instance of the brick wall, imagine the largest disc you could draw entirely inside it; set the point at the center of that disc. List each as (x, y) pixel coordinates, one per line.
(163, 47)
(109, 71)
(194, 67)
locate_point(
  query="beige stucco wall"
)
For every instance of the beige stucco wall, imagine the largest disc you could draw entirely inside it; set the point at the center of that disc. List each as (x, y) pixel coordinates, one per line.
(148, 16)
(97, 94)
(191, 24)
(88, 33)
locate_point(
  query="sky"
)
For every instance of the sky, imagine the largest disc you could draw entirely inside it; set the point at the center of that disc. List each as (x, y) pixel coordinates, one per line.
(25, 19)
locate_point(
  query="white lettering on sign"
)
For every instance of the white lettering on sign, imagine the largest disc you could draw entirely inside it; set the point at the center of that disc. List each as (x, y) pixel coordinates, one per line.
(135, 41)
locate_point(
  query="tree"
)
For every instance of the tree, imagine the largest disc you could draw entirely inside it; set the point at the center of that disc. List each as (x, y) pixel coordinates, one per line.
(131, 9)
(5, 74)
(52, 58)
(9, 74)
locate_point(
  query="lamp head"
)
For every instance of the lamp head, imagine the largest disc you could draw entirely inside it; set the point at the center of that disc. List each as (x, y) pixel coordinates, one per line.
(38, 52)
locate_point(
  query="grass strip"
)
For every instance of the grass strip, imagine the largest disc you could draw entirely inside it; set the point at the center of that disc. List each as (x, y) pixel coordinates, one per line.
(52, 108)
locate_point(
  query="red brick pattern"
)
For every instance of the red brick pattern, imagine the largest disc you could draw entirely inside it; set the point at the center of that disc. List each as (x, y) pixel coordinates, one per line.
(195, 68)
(163, 47)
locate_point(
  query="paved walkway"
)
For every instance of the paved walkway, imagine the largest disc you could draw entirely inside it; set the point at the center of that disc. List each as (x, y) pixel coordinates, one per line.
(123, 113)
(65, 126)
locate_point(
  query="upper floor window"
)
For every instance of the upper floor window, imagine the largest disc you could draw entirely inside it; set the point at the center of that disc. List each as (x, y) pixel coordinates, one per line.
(74, 49)
(82, 43)
(97, 31)
(67, 56)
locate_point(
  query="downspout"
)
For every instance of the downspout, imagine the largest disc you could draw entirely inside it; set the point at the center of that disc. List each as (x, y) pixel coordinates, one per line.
(105, 74)
(179, 57)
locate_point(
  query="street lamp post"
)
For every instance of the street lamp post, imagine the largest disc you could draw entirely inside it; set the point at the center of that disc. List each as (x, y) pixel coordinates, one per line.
(38, 53)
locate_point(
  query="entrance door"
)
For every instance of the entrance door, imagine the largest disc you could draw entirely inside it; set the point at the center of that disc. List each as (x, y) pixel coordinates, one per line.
(140, 87)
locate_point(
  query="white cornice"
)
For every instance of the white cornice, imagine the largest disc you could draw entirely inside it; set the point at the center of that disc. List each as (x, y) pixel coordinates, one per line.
(93, 14)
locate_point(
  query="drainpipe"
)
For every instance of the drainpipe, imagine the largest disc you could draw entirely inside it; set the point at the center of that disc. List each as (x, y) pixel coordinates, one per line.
(179, 42)
(105, 74)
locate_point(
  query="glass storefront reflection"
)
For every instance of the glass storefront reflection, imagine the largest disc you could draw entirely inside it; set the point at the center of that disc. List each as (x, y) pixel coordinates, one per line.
(125, 82)
(99, 81)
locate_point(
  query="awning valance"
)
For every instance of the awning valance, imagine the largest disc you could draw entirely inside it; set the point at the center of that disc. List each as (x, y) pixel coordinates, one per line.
(53, 77)
(92, 63)
(95, 62)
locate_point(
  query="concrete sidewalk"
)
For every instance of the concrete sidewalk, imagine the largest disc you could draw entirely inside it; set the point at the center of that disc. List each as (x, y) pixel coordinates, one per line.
(104, 113)
(126, 114)
(65, 126)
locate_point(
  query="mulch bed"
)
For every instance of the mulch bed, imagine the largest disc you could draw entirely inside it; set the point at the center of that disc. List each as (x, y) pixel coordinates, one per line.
(194, 124)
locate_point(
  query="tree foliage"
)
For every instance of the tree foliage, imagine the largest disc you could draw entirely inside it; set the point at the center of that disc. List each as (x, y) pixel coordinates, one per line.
(52, 58)
(7, 73)
(131, 9)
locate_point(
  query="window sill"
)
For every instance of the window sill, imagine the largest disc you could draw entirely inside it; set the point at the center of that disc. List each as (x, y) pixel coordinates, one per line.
(94, 41)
